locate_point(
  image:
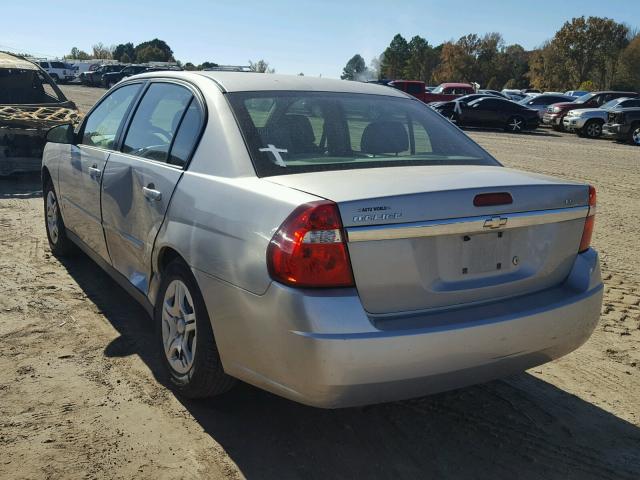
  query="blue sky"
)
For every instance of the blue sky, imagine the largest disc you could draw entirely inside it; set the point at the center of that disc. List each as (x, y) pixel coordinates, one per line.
(293, 36)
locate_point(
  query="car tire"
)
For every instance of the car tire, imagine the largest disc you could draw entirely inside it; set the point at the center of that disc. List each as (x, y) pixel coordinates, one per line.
(634, 134)
(59, 243)
(592, 129)
(188, 349)
(515, 124)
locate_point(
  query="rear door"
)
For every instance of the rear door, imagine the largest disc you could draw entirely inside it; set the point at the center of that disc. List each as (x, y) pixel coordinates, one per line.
(140, 179)
(81, 174)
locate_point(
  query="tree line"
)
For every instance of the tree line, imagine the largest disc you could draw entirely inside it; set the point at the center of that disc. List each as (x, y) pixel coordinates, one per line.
(155, 50)
(591, 53)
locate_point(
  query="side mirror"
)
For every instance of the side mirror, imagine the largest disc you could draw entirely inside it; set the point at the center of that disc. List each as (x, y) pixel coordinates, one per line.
(62, 134)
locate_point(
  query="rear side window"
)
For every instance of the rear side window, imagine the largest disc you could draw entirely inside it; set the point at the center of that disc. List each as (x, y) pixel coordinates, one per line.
(103, 123)
(414, 88)
(316, 131)
(156, 121)
(187, 135)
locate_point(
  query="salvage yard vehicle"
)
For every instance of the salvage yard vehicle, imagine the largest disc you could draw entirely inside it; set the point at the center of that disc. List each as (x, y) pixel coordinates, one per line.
(588, 122)
(93, 78)
(30, 104)
(492, 112)
(58, 71)
(111, 78)
(337, 243)
(623, 124)
(554, 116)
(541, 102)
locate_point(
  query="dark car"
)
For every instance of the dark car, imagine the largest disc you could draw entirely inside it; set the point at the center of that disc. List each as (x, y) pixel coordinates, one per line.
(110, 79)
(492, 112)
(554, 116)
(93, 78)
(623, 124)
(541, 102)
(450, 106)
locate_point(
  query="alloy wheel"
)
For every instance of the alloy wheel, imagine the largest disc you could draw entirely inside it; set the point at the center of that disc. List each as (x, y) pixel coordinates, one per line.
(515, 124)
(594, 129)
(179, 327)
(52, 216)
(635, 136)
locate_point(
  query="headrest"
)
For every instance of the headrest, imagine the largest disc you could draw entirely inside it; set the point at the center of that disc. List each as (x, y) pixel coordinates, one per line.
(384, 137)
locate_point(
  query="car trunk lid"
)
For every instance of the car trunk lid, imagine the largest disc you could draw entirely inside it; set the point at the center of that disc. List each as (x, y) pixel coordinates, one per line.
(417, 241)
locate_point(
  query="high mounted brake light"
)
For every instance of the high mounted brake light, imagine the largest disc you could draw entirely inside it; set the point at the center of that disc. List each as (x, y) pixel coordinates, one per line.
(589, 222)
(309, 249)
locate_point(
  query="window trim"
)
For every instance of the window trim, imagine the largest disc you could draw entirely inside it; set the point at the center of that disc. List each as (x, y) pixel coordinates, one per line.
(197, 95)
(116, 141)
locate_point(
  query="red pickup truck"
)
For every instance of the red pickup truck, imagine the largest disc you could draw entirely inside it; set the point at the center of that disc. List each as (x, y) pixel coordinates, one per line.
(442, 93)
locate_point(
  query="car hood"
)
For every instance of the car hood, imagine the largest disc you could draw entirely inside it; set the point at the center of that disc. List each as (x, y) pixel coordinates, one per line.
(589, 111)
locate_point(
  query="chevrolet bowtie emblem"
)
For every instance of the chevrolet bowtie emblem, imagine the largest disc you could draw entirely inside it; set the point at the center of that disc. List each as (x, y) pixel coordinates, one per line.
(495, 222)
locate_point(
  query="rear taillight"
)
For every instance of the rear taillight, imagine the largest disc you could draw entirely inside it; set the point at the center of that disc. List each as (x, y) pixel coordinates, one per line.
(587, 232)
(309, 248)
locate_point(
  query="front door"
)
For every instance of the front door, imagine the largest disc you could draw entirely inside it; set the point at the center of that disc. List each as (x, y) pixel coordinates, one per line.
(139, 181)
(81, 176)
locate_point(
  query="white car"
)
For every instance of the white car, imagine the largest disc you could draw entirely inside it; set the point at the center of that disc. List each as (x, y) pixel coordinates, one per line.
(588, 122)
(58, 71)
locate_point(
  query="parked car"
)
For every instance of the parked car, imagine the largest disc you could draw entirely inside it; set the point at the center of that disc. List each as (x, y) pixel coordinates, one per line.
(58, 71)
(576, 93)
(623, 124)
(530, 90)
(555, 113)
(588, 122)
(30, 104)
(450, 106)
(93, 78)
(541, 102)
(514, 95)
(495, 93)
(110, 79)
(337, 243)
(448, 91)
(492, 112)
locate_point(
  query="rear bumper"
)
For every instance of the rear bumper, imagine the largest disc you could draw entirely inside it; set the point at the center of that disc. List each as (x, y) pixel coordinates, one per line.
(322, 349)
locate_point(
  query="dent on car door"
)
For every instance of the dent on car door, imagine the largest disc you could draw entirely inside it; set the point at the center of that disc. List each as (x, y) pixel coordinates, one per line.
(140, 179)
(81, 174)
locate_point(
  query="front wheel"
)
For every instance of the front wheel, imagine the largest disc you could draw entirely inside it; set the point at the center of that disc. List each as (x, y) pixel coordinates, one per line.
(56, 232)
(593, 129)
(515, 124)
(189, 352)
(634, 134)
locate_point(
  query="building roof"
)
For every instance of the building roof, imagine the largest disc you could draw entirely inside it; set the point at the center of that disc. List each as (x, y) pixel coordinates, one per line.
(11, 61)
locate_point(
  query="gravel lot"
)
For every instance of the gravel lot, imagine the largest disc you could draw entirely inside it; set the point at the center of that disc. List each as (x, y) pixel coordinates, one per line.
(80, 393)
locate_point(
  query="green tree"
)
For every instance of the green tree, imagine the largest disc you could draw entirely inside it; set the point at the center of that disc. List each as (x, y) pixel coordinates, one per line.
(354, 68)
(422, 60)
(155, 50)
(628, 75)
(261, 66)
(204, 65)
(190, 67)
(77, 54)
(394, 58)
(123, 49)
(102, 52)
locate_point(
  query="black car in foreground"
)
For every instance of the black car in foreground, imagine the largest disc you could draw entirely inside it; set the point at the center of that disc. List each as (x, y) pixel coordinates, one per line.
(492, 112)
(623, 124)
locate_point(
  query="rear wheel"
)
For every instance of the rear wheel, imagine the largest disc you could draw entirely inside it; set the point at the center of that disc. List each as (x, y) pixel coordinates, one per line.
(56, 233)
(515, 124)
(634, 134)
(189, 352)
(593, 129)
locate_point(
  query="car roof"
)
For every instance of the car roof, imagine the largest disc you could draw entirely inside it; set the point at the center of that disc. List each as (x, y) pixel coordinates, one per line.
(10, 61)
(256, 82)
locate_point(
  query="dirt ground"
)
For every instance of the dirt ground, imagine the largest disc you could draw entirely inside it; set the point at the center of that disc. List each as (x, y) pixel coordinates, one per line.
(81, 394)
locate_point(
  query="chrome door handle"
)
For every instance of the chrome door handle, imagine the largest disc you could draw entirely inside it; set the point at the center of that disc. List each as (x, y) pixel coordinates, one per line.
(152, 194)
(95, 172)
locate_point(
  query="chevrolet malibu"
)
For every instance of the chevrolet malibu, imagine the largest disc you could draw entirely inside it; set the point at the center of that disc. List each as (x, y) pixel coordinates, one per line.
(337, 243)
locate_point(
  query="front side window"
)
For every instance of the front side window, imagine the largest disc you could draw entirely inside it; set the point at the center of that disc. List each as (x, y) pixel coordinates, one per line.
(156, 121)
(58, 65)
(103, 123)
(313, 131)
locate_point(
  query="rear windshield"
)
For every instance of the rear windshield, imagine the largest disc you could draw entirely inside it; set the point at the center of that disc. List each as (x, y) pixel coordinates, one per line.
(295, 132)
(23, 87)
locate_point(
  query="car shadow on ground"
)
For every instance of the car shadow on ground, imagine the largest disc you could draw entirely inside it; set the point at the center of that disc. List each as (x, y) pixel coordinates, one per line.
(521, 427)
(21, 185)
(535, 133)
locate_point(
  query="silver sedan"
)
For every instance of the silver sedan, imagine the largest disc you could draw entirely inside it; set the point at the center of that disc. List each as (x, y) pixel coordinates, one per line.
(337, 243)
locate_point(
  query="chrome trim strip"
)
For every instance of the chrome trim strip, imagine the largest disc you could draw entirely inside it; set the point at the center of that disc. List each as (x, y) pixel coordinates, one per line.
(457, 226)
